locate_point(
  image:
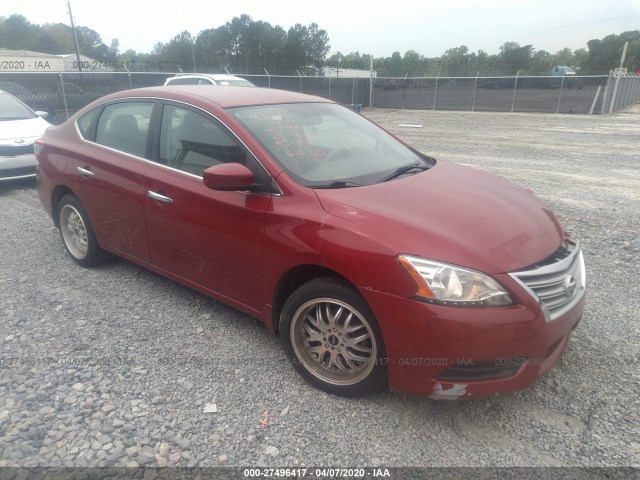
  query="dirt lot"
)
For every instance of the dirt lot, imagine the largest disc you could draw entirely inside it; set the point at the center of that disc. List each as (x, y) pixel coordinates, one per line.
(133, 358)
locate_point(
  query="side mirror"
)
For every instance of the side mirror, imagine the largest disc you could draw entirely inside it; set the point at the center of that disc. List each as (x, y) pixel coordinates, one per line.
(228, 176)
(42, 114)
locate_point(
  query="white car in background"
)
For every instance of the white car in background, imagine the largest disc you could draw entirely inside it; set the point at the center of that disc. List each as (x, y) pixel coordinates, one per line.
(208, 79)
(19, 128)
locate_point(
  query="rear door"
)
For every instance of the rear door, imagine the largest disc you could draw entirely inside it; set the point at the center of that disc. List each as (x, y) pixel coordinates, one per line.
(109, 172)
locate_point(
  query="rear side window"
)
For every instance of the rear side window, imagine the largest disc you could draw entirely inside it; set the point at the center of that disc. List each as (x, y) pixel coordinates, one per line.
(125, 127)
(85, 122)
(182, 81)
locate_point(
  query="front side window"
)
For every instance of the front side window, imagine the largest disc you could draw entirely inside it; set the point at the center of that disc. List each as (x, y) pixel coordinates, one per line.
(125, 127)
(324, 145)
(192, 142)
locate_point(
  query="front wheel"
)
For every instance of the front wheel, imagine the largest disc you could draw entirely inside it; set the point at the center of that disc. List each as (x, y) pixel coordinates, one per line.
(332, 338)
(77, 233)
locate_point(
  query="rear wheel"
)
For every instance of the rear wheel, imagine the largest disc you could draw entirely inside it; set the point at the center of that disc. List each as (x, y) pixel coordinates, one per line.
(77, 233)
(332, 338)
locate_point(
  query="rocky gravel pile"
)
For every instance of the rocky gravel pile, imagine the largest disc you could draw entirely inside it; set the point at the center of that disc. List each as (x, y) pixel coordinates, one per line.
(117, 366)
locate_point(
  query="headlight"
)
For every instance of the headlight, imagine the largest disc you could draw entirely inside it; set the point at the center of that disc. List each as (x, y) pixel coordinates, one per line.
(449, 285)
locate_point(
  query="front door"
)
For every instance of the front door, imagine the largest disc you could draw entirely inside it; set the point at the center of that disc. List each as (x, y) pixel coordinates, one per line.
(212, 238)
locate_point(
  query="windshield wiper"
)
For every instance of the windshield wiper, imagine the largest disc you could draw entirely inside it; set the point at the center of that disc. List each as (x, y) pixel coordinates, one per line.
(337, 184)
(404, 170)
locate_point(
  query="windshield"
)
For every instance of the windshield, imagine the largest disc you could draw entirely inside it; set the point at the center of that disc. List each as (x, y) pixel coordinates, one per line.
(329, 146)
(12, 109)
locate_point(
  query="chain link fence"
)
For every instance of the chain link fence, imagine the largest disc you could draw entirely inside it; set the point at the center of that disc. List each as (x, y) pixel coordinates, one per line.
(61, 94)
(622, 90)
(491, 94)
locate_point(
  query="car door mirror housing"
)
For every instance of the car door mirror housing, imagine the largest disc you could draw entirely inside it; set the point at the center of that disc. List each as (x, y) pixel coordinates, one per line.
(228, 176)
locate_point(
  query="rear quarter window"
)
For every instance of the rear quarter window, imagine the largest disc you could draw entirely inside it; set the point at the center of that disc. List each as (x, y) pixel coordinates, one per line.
(85, 123)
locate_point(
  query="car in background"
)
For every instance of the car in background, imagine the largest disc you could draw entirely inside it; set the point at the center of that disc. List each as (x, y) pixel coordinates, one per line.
(375, 263)
(564, 76)
(495, 83)
(53, 97)
(19, 128)
(208, 79)
(22, 93)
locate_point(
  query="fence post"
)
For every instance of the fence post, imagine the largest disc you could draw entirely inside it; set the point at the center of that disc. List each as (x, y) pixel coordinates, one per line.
(353, 90)
(615, 87)
(475, 87)
(64, 95)
(595, 99)
(606, 97)
(268, 77)
(515, 89)
(299, 75)
(404, 88)
(128, 75)
(614, 95)
(560, 96)
(371, 82)
(329, 78)
(435, 92)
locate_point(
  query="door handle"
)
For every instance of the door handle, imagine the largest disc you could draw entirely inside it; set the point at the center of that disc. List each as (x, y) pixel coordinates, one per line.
(86, 173)
(159, 197)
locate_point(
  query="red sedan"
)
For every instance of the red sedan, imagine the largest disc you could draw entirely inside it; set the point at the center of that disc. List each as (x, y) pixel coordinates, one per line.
(373, 262)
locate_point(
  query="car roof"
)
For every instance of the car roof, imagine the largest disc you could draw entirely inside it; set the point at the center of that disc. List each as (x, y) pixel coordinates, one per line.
(226, 97)
(213, 76)
(216, 78)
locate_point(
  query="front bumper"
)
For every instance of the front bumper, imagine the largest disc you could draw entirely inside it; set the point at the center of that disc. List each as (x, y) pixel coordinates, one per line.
(451, 353)
(14, 168)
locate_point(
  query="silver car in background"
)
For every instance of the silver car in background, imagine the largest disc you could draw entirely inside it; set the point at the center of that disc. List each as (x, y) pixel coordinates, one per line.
(208, 79)
(19, 128)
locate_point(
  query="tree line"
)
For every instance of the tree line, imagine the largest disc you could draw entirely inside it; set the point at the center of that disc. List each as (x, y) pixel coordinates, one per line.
(244, 45)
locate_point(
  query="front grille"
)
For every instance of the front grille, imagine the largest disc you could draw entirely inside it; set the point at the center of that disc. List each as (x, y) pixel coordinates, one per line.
(557, 282)
(16, 151)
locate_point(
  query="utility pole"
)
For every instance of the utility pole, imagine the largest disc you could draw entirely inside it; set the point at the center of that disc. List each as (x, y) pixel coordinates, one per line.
(75, 36)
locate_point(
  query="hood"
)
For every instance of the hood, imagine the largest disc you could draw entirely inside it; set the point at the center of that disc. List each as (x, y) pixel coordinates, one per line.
(453, 214)
(28, 129)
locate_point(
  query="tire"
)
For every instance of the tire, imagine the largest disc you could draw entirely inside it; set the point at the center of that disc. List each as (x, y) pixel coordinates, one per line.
(77, 233)
(332, 338)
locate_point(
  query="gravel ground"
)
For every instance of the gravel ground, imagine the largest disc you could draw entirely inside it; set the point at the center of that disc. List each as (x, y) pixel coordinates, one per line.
(117, 366)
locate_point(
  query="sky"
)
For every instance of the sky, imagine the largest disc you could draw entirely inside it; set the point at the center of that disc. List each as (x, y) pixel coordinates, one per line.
(426, 26)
